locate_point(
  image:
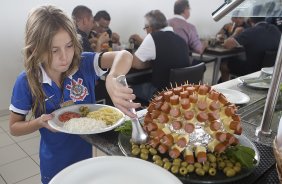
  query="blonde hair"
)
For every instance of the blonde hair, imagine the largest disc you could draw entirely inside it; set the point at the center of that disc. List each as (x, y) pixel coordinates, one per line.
(42, 25)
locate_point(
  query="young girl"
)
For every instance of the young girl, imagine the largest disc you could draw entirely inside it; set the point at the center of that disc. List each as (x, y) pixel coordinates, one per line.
(57, 73)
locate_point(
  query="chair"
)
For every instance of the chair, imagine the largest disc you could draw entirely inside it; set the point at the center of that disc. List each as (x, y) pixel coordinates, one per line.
(269, 59)
(192, 74)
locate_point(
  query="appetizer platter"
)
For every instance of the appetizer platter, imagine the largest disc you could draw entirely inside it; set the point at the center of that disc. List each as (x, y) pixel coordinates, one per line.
(195, 133)
(86, 119)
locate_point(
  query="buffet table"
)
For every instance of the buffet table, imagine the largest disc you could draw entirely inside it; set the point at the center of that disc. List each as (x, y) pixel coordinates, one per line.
(265, 172)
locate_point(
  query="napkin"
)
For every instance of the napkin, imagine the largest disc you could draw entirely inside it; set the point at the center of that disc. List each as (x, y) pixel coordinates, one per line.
(279, 135)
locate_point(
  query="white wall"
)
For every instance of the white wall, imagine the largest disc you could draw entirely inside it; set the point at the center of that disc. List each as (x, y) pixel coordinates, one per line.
(127, 18)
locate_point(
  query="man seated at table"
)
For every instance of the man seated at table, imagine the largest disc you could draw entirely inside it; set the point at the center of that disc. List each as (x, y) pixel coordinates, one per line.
(162, 50)
(102, 21)
(258, 39)
(184, 29)
(83, 19)
(233, 28)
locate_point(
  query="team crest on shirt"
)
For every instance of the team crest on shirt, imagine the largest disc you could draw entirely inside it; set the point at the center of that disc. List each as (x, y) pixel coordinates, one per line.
(77, 91)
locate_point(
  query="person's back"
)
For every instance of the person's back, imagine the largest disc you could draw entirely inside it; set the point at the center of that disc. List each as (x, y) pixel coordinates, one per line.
(256, 41)
(162, 49)
(171, 52)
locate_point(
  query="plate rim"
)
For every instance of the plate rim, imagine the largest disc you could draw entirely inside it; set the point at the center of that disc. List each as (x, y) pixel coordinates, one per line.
(53, 122)
(264, 70)
(115, 158)
(247, 97)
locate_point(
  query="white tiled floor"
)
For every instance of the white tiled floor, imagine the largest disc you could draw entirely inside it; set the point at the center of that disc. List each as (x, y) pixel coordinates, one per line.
(19, 159)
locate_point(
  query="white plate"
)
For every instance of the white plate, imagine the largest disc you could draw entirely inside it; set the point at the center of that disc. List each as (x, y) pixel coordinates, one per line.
(114, 170)
(58, 125)
(234, 96)
(267, 70)
(259, 85)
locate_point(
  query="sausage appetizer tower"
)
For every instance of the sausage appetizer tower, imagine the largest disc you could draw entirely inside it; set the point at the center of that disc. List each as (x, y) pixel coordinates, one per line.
(191, 120)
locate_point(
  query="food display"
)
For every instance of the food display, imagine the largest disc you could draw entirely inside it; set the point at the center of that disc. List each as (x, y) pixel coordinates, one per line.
(191, 129)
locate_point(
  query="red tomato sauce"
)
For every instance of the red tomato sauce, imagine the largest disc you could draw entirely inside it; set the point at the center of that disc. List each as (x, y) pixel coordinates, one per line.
(68, 115)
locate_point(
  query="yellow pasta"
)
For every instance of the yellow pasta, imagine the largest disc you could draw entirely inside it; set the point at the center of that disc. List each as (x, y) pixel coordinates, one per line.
(106, 114)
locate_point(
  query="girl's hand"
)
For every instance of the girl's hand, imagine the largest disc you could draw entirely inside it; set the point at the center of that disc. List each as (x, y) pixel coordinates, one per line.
(43, 121)
(121, 96)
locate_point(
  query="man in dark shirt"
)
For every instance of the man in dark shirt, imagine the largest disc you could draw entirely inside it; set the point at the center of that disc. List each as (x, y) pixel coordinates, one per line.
(161, 49)
(83, 19)
(102, 20)
(258, 39)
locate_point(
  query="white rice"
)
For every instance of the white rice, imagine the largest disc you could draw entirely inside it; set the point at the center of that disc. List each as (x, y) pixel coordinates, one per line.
(84, 124)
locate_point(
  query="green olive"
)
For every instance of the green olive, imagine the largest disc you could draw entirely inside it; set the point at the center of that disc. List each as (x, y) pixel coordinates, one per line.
(176, 162)
(156, 157)
(153, 151)
(207, 163)
(212, 171)
(134, 146)
(167, 165)
(237, 168)
(183, 171)
(211, 157)
(230, 172)
(200, 172)
(198, 165)
(221, 165)
(148, 146)
(226, 169)
(144, 156)
(142, 146)
(159, 162)
(213, 165)
(165, 160)
(184, 164)
(174, 169)
(219, 159)
(206, 168)
(145, 150)
(190, 168)
(135, 151)
(229, 164)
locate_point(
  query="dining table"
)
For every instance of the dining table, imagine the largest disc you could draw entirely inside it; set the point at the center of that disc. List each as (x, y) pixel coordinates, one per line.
(219, 52)
(265, 172)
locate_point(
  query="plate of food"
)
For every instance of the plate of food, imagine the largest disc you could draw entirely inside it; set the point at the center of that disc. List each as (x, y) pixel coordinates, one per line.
(195, 133)
(86, 119)
(234, 96)
(114, 169)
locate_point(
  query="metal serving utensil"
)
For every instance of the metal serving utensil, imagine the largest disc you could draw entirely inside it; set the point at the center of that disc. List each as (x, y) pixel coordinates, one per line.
(263, 77)
(138, 135)
(266, 79)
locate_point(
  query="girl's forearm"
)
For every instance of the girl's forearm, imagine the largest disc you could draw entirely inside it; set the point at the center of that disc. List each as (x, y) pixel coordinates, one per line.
(24, 127)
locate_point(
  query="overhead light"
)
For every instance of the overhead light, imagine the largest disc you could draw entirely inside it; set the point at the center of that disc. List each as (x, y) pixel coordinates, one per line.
(225, 8)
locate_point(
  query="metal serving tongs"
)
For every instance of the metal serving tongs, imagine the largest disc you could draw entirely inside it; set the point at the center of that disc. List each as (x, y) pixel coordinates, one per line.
(138, 135)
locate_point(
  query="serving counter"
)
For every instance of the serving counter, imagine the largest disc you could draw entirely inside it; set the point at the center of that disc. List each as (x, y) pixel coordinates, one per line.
(265, 172)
